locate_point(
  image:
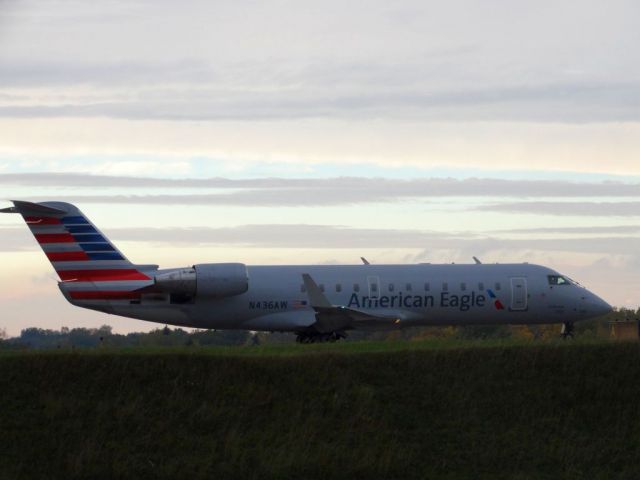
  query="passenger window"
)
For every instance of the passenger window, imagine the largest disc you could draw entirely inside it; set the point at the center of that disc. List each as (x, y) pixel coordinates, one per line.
(498, 286)
(427, 287)
(445, 287)
(356, 287)
(463, 286)
(408, 286)
(338, 287)
(303, 289)
(481, 286)
(391, 287)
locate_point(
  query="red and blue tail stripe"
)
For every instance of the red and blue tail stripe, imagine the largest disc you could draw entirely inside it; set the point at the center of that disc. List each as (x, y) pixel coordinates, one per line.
(90, 267)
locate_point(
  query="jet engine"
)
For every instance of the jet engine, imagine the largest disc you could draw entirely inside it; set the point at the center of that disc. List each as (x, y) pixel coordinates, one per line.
(213, 280)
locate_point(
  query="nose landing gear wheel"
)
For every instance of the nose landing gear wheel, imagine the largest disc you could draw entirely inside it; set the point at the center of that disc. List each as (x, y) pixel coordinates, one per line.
(567, 330)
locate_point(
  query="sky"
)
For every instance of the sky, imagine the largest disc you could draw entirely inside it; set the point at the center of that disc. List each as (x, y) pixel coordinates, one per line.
(294, 132)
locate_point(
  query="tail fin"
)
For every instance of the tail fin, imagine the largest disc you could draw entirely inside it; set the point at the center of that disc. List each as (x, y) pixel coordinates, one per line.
(85, 260)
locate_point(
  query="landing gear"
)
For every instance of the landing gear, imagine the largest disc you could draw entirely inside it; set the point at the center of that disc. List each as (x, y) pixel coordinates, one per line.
(567, 330)
(316, 337)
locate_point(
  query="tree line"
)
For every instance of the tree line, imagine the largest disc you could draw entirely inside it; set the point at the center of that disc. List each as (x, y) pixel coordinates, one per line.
(39, 338)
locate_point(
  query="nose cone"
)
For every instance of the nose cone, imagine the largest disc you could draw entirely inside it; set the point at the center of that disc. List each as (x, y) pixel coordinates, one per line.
(596, 306)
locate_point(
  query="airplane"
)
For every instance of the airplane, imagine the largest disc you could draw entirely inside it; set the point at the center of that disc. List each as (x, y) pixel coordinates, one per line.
(316, 302)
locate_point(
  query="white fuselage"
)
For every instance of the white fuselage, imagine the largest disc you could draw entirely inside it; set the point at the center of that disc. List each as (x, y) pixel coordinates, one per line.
(411, 295)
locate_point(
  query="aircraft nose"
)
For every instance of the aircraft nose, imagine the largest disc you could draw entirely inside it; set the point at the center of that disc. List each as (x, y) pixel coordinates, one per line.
(597, 306)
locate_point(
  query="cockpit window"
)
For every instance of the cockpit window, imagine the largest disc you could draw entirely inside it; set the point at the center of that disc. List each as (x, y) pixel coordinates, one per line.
(558, 280)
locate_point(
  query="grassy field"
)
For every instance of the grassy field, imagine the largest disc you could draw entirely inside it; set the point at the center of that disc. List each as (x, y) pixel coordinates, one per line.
(438, 409)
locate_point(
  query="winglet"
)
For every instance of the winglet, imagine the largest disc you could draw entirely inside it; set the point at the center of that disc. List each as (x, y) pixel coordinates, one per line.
(316, 297)
(365, 261)
(478, 262)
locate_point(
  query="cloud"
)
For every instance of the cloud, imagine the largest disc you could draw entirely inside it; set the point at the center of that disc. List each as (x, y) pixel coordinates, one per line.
(276, 191)
(560, 208)
(328, 236)
(306, 192)
(337, 196)
(541, 103)
(335, 236)
(274, 60)
(267, 236)
(13, 239)
(283, 236)
(247, 198)
(613, 229)
(129, 73)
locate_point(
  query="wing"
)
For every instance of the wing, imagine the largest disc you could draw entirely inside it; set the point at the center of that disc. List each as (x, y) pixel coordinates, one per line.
(331, 318)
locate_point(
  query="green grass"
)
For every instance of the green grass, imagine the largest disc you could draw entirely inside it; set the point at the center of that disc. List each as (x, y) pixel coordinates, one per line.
(436, 409)
(293, 349)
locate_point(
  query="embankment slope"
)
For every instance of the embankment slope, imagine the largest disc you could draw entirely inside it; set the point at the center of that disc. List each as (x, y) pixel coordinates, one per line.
(559, 411)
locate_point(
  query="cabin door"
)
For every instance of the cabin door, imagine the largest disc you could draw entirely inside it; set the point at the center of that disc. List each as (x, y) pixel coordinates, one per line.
(519, 293)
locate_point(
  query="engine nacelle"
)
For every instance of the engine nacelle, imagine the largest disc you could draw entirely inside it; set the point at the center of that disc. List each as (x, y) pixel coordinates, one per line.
(212, 280)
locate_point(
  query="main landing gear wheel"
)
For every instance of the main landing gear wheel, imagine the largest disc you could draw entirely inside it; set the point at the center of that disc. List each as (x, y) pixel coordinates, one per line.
(567, 330)
(313, 337)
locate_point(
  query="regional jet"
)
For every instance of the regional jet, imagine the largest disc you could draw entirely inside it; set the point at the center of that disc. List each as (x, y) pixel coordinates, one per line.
(316, 302)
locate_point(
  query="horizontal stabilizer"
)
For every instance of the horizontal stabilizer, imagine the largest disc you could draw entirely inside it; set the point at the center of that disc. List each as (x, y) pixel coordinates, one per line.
(30, 207)
(9, 210)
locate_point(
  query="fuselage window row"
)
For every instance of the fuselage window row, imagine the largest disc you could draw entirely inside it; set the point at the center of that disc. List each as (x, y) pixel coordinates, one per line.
(427, 286)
